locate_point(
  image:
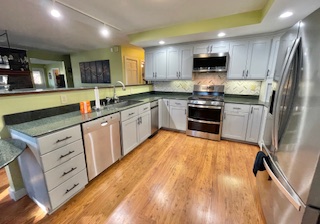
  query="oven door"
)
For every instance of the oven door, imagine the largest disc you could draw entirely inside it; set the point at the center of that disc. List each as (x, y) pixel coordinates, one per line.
(204, 121)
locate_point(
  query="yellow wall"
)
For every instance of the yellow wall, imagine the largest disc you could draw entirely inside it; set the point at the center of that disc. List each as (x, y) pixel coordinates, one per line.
(133, 52)
(95, 55)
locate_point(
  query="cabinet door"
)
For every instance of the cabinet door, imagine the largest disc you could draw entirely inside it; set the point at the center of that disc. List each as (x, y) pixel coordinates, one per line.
(129, 131)
(254, 123)
(258, 58)
(238, 60)
(149, 71)
(178, 117)
(144, 126)
(234, 125)
(173, 62)
(160, 64)
(186, 59)
(201, 48)
(165, 113)
(273, 57)
(219, 47)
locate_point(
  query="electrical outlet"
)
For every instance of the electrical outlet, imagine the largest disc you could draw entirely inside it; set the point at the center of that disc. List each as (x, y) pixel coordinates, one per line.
(63, 99)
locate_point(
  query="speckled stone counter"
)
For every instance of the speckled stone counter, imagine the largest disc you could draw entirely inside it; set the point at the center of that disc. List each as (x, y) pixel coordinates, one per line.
(10, 149)
(252, 100)
(38, 127)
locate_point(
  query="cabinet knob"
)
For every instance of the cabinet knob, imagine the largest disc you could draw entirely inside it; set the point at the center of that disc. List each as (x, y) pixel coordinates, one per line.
(268, 72)
(247, 73)
(243, 73)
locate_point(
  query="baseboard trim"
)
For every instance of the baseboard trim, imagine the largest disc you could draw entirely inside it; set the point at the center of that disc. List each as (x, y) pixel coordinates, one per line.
(16, 195)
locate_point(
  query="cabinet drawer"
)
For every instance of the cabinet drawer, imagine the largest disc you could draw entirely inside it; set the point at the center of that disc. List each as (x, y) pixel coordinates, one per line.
(69, 188)
(126, 114)
(60, 174)
(179, 103)
(143, 108)
(243, 108)
(61, 155)
(58, 139)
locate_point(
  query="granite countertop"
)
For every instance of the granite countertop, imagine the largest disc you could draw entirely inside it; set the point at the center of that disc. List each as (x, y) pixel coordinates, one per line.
(10, 149)
(39, 127)
(252, 100)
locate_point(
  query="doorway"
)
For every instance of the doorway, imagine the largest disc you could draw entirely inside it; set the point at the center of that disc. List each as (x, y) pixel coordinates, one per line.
(131, 71)
(39, 79)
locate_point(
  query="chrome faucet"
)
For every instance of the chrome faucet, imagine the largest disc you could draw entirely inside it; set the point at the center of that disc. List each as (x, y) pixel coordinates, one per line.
(115, 98)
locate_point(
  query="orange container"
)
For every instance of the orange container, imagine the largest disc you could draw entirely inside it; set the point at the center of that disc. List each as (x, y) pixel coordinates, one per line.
(85, 107)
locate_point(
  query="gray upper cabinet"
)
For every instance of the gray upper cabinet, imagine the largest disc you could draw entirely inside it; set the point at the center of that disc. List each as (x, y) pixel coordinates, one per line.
(249, 59)
(179, 62)
(213, 47)
(156, 64)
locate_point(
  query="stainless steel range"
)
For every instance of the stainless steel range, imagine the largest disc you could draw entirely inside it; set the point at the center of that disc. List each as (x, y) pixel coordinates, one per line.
(205, 110)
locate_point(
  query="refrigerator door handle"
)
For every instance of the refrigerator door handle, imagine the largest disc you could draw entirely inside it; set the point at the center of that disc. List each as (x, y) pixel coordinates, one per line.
(292, 200)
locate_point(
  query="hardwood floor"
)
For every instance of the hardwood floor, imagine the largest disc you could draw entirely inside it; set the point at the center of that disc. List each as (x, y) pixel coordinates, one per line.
(171, 178)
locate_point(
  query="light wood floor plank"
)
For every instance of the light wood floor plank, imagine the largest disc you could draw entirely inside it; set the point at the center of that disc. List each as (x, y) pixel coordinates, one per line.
(171, 178)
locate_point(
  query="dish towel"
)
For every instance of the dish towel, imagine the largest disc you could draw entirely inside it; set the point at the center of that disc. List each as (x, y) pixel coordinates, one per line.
(258, 163)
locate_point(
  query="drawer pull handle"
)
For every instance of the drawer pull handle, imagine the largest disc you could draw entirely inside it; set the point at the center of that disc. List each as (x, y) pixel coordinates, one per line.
(72, 169)
(68, 190)
(131, 114)
(237, 108)
(66, 154)
(146, 108)
(61, 140)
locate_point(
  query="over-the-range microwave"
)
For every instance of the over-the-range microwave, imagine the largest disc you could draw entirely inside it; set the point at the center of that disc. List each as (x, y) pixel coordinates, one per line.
(214, 62)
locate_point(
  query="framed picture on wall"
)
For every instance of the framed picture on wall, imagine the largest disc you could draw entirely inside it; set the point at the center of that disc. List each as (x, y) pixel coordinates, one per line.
(95, 71)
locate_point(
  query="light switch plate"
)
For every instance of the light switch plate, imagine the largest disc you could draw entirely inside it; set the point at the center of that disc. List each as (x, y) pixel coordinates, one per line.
(63, 99)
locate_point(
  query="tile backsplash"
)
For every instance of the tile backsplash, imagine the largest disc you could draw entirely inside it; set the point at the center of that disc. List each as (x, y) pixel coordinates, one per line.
(230, 86)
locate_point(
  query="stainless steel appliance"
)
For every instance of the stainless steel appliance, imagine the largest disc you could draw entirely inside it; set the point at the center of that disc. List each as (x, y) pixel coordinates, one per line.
(205, 109)
(154, 117)
(102, 143)
(290, 187)
(215, 62)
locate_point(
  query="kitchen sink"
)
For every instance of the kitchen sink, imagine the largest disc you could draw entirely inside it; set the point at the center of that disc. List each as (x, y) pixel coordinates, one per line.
(122, 104)
(126, 103)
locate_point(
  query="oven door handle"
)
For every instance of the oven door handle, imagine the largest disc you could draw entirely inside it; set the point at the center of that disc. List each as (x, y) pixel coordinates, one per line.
(202, 121)
(201, 106)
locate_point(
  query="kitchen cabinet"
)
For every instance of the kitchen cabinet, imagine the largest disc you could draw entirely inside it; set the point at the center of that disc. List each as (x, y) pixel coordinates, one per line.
(273, 57)
(214, 47)
(135, 127)
(173, 114)
(178, 115)
(235, 121)
(249, 59)
(156, 64)
(242, 122)
(58, 163)
(254, 123)
(165, 113)
(179, 62)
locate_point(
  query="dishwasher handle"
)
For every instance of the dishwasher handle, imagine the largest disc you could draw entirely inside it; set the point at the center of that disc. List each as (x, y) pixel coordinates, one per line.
(104, 124)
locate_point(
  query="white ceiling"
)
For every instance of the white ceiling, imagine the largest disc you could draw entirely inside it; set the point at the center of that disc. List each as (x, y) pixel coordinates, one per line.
(30, 25)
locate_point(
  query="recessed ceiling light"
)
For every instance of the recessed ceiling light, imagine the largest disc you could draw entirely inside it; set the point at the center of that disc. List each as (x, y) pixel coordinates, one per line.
(286, 14)
(104, 32)
(221, 34)
(55, 13)
(161, 42)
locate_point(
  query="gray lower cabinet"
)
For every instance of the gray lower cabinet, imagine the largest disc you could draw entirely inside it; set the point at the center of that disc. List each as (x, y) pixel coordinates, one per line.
(242, 122)
(173, 114)
(53, 167)
(135, 127)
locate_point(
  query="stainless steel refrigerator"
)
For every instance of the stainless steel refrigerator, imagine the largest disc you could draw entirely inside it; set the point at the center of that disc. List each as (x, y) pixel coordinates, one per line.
(289, 189)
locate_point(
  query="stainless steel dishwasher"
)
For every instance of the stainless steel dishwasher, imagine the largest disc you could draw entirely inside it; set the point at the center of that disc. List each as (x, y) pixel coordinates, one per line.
(102, 143)
(154, 117)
